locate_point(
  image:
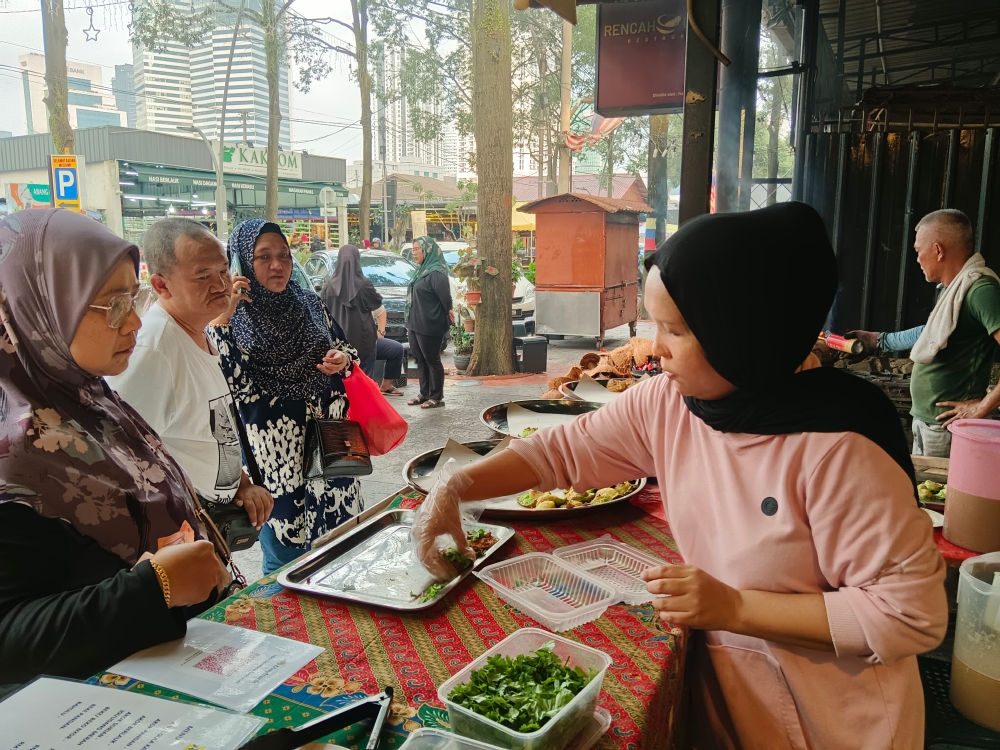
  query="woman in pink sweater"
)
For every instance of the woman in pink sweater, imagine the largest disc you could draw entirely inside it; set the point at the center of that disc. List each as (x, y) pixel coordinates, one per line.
(811, 577)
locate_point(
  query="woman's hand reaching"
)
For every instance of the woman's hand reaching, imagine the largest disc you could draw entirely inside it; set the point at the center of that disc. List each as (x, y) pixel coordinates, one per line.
(693, 598)
(334, 361)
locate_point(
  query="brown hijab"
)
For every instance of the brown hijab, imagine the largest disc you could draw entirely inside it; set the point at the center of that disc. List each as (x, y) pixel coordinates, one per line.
(69, 446)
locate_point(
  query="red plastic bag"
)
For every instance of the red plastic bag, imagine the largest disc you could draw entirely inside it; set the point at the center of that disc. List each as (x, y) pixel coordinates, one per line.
(382, 425)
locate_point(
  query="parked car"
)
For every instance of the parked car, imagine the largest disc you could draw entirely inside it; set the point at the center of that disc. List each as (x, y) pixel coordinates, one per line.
(388, 272)
(522, 304)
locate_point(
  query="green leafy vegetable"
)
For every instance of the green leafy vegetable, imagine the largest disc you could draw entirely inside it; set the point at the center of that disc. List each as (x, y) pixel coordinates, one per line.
(456, 558)
(477, 534)
(522, 692)
(433, 590)
(528, 431)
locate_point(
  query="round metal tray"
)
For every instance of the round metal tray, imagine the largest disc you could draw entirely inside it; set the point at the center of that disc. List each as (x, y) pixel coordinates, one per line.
(423, 465)
(569, 389)
(495, 417)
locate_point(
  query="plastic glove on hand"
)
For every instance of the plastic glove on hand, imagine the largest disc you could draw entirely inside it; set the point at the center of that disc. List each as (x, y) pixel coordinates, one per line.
(439, 516)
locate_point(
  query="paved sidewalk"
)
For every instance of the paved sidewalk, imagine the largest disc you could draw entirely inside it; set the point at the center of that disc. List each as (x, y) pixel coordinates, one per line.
(465, 399)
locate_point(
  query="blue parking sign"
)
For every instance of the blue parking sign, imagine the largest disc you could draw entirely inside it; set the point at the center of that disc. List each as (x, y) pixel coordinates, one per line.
(65, 182)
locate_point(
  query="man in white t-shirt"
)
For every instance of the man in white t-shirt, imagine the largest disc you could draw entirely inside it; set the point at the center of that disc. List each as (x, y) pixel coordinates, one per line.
(174, 380)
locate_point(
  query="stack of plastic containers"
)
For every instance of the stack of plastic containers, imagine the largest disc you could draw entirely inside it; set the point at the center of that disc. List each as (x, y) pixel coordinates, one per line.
(575, 584)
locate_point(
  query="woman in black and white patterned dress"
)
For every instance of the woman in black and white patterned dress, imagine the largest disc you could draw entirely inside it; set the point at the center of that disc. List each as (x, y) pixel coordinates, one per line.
(284, 355)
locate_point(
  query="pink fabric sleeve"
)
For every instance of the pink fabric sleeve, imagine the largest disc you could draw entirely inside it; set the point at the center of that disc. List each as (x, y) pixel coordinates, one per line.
(597, 449)
(875, 546)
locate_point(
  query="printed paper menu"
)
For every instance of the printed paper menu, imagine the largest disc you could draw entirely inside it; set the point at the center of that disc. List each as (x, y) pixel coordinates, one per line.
(54, 714)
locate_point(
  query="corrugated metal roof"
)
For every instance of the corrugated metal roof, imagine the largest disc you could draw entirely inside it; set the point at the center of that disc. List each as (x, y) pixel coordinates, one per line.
(128, 144)
(611, 205)
(920, 40)
(526, 186)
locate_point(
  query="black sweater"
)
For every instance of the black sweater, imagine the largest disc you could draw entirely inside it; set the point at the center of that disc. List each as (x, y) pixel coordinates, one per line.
(68, 607)
(430, 305)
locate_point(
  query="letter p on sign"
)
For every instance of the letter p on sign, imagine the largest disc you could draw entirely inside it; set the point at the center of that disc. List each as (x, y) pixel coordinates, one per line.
(65, 182)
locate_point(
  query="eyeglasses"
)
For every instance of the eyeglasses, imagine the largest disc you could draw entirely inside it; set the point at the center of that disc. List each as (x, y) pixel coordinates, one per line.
(123, 304)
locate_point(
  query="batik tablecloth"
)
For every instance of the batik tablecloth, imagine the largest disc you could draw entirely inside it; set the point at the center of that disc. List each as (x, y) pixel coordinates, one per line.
(367, 648)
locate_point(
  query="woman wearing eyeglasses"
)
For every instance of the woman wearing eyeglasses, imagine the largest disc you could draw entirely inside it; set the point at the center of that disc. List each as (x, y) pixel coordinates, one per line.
(101, 550)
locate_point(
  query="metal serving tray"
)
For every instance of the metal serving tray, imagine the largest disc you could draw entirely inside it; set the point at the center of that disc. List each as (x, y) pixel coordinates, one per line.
(375, 565)
(495, 417)
(507, 508)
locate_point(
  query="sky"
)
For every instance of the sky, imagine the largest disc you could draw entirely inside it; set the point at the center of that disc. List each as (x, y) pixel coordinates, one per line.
(330, 104)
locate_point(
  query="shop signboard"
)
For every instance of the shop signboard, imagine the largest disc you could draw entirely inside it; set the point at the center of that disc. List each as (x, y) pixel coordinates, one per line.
(22, 195)
(419, 220)
(238, 159)
(640, 57)
(65, 178)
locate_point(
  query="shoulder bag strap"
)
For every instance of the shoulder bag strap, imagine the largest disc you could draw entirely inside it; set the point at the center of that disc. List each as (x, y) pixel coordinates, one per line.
(251, 461)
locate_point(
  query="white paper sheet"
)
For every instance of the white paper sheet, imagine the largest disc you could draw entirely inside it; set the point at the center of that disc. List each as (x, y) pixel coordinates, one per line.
(589, 389)
(463, 457)
(519, 419)
(53, 714)
(232, 667)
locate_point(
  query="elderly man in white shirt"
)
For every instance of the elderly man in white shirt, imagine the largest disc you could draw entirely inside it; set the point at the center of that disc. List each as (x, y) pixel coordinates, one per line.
(174, 380)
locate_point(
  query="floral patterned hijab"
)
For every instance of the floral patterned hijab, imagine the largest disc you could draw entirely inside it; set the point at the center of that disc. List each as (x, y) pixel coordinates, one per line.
(69, 446)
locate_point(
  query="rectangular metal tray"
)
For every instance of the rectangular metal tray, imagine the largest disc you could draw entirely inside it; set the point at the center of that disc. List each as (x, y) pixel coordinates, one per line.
(375, 564)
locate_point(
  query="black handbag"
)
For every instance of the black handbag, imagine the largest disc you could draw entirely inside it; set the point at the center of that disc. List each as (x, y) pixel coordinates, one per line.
(229, 518)
(335, 448)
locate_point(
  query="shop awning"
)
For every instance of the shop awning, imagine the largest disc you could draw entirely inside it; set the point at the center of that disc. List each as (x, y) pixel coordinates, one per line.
(174, 180)
(521, 222)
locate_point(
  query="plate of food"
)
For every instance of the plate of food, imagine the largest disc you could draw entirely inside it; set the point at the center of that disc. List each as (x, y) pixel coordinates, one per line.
(528, 416)
(419, 473)
(932, 495)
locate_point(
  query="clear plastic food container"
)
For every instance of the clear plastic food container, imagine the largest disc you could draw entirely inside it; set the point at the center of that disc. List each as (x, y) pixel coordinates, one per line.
(615, 563)
(563, 727)
(556, 594)
(438, 739)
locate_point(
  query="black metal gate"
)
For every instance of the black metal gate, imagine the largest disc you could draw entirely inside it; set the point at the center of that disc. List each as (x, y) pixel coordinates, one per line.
(873, 187)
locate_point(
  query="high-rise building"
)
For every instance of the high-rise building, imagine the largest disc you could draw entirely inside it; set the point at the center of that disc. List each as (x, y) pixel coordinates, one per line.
(177, 87)
(123, 88)
(91, 104)
(162, 78)
(247, 81)
(394, 118)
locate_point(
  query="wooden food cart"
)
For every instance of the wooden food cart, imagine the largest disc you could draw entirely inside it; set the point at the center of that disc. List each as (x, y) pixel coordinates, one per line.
(586, 264)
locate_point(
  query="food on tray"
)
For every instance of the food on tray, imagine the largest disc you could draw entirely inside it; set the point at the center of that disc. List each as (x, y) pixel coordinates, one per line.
(933, 491)
(433, 590)
(528, 431)
(571, 498)
(522, 692)
(620, 386)
(480, 540)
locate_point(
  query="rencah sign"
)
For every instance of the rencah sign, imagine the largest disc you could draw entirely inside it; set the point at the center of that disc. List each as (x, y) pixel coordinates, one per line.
(238, 159)
(640, 57)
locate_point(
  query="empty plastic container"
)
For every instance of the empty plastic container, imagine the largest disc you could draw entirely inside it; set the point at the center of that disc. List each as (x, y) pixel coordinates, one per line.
(975, 664)
(556, 594)
(972, 511)
(615, 563)
(557, 733)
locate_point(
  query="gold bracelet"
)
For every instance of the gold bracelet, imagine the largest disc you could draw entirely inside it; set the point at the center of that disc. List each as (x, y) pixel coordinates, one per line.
(161, 576)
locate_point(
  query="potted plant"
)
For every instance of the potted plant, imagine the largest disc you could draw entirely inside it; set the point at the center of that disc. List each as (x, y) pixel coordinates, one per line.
(470, 269)
(462, 342)
(465, 315)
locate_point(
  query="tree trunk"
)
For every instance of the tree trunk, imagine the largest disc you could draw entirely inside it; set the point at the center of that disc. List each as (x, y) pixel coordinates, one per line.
(55, 36)
(273, 53)
(491, 111)
(359, 12)
(566, 80)
(773, 135)
(656, 169)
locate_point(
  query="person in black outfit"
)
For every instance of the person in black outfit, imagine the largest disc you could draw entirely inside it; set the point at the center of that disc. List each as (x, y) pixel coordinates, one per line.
(353, 302)
(429, 314)
(102, 552)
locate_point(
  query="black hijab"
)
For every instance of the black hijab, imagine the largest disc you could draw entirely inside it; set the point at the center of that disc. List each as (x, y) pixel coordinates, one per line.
(755, 289)
(340, 294)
